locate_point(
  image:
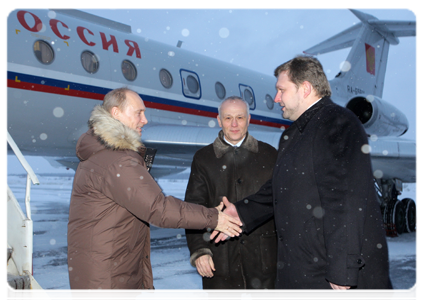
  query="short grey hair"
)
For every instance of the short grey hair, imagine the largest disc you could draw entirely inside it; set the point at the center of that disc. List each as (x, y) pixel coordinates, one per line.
(235, 98)
(116, 98)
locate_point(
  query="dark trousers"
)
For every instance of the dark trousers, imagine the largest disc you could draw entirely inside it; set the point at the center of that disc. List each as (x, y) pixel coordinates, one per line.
(254, 296)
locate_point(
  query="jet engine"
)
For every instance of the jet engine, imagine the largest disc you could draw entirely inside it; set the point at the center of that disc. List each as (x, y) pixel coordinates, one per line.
(378, 116)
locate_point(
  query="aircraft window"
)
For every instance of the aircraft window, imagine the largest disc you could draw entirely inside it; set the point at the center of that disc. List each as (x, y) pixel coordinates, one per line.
(90, 62)
(43, 52)
(269, 102)
(166, 78)
(248, 96)
(128, 70)
(192, 84)
(220, 90)
(191, 87)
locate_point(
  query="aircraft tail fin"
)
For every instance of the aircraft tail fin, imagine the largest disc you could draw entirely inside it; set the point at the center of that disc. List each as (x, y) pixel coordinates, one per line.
(364, 70)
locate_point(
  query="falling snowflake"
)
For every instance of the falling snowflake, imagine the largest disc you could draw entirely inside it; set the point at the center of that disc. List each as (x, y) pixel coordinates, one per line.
(185, 32)
(224, 32)
(378, 174)
(345, 66)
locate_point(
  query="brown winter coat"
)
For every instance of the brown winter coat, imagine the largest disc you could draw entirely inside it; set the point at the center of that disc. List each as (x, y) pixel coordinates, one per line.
(113, 200)
(219, 169)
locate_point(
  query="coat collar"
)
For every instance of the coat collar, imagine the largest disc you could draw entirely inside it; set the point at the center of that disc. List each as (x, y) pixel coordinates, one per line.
(111, 132)
(303, 120)
(221, 147)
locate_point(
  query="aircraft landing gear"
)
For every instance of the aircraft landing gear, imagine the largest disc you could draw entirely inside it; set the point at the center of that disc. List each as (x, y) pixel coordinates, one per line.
(394, 218)
(410, 214)
(399, 216)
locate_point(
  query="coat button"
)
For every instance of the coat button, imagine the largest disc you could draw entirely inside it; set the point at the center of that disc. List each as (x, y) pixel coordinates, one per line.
(359, 261)
(239, 181)
(243, 242)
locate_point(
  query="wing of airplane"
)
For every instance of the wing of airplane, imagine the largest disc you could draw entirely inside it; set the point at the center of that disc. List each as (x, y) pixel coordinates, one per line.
(61, 63)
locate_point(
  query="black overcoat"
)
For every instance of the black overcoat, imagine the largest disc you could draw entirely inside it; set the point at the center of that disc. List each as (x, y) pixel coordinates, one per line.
(217, 170)
(322, 196)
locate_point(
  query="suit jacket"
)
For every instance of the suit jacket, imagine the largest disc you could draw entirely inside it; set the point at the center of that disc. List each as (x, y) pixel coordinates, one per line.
(322, 195)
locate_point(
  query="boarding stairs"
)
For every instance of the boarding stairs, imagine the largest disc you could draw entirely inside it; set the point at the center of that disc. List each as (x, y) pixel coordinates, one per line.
(20, 231)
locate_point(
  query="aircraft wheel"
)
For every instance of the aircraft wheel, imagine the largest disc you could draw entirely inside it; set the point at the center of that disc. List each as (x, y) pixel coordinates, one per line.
(394, 214)
(410, 214)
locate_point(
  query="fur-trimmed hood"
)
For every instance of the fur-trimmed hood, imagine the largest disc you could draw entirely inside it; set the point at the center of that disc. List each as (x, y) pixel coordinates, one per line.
(220, 147)
(107, 132)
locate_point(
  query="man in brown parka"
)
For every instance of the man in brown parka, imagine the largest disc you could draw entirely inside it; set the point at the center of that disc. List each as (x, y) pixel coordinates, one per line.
(114, 199)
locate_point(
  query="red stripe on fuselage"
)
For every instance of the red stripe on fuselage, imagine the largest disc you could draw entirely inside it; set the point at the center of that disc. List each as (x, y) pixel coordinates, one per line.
(52, 90)
(180, 109)
(268, 124)
(95, 96)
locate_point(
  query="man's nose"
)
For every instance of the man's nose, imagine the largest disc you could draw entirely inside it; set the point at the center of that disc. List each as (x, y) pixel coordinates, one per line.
(277, 98)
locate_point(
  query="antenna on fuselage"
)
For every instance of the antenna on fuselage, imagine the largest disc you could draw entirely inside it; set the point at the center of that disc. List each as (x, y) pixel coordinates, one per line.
(179, 44)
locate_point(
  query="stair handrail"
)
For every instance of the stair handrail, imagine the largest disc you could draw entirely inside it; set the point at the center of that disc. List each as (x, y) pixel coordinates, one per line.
(30, 173)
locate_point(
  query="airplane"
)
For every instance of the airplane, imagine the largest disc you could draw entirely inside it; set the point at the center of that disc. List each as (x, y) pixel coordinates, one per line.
(62, 62)
(67, 62)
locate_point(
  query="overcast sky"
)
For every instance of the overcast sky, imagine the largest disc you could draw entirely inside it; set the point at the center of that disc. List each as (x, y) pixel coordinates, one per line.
(262, 39)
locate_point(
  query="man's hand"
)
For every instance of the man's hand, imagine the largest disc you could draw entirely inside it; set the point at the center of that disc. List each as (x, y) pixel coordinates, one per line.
(227, 224)
(205, 266)
(231, 211)
(339, 287)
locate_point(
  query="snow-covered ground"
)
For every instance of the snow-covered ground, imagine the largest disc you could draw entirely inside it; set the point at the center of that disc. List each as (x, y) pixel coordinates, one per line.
(169, 253)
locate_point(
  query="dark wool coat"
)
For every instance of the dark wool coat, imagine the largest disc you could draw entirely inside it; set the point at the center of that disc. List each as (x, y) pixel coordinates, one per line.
(322, 196)
(113, 201)
(217, 170)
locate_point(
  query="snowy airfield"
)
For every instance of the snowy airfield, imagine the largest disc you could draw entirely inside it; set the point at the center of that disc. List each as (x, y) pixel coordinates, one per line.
(169, 253)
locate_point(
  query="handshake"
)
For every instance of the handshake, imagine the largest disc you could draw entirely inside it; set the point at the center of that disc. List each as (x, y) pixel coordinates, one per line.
(228, 224)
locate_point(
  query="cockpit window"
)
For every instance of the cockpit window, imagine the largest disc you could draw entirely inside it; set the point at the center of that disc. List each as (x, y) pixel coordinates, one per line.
(43, 52)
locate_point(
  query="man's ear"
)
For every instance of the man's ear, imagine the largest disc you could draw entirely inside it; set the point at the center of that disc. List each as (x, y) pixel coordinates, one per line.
(218, 121)
(115, 112)
(308, 88)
